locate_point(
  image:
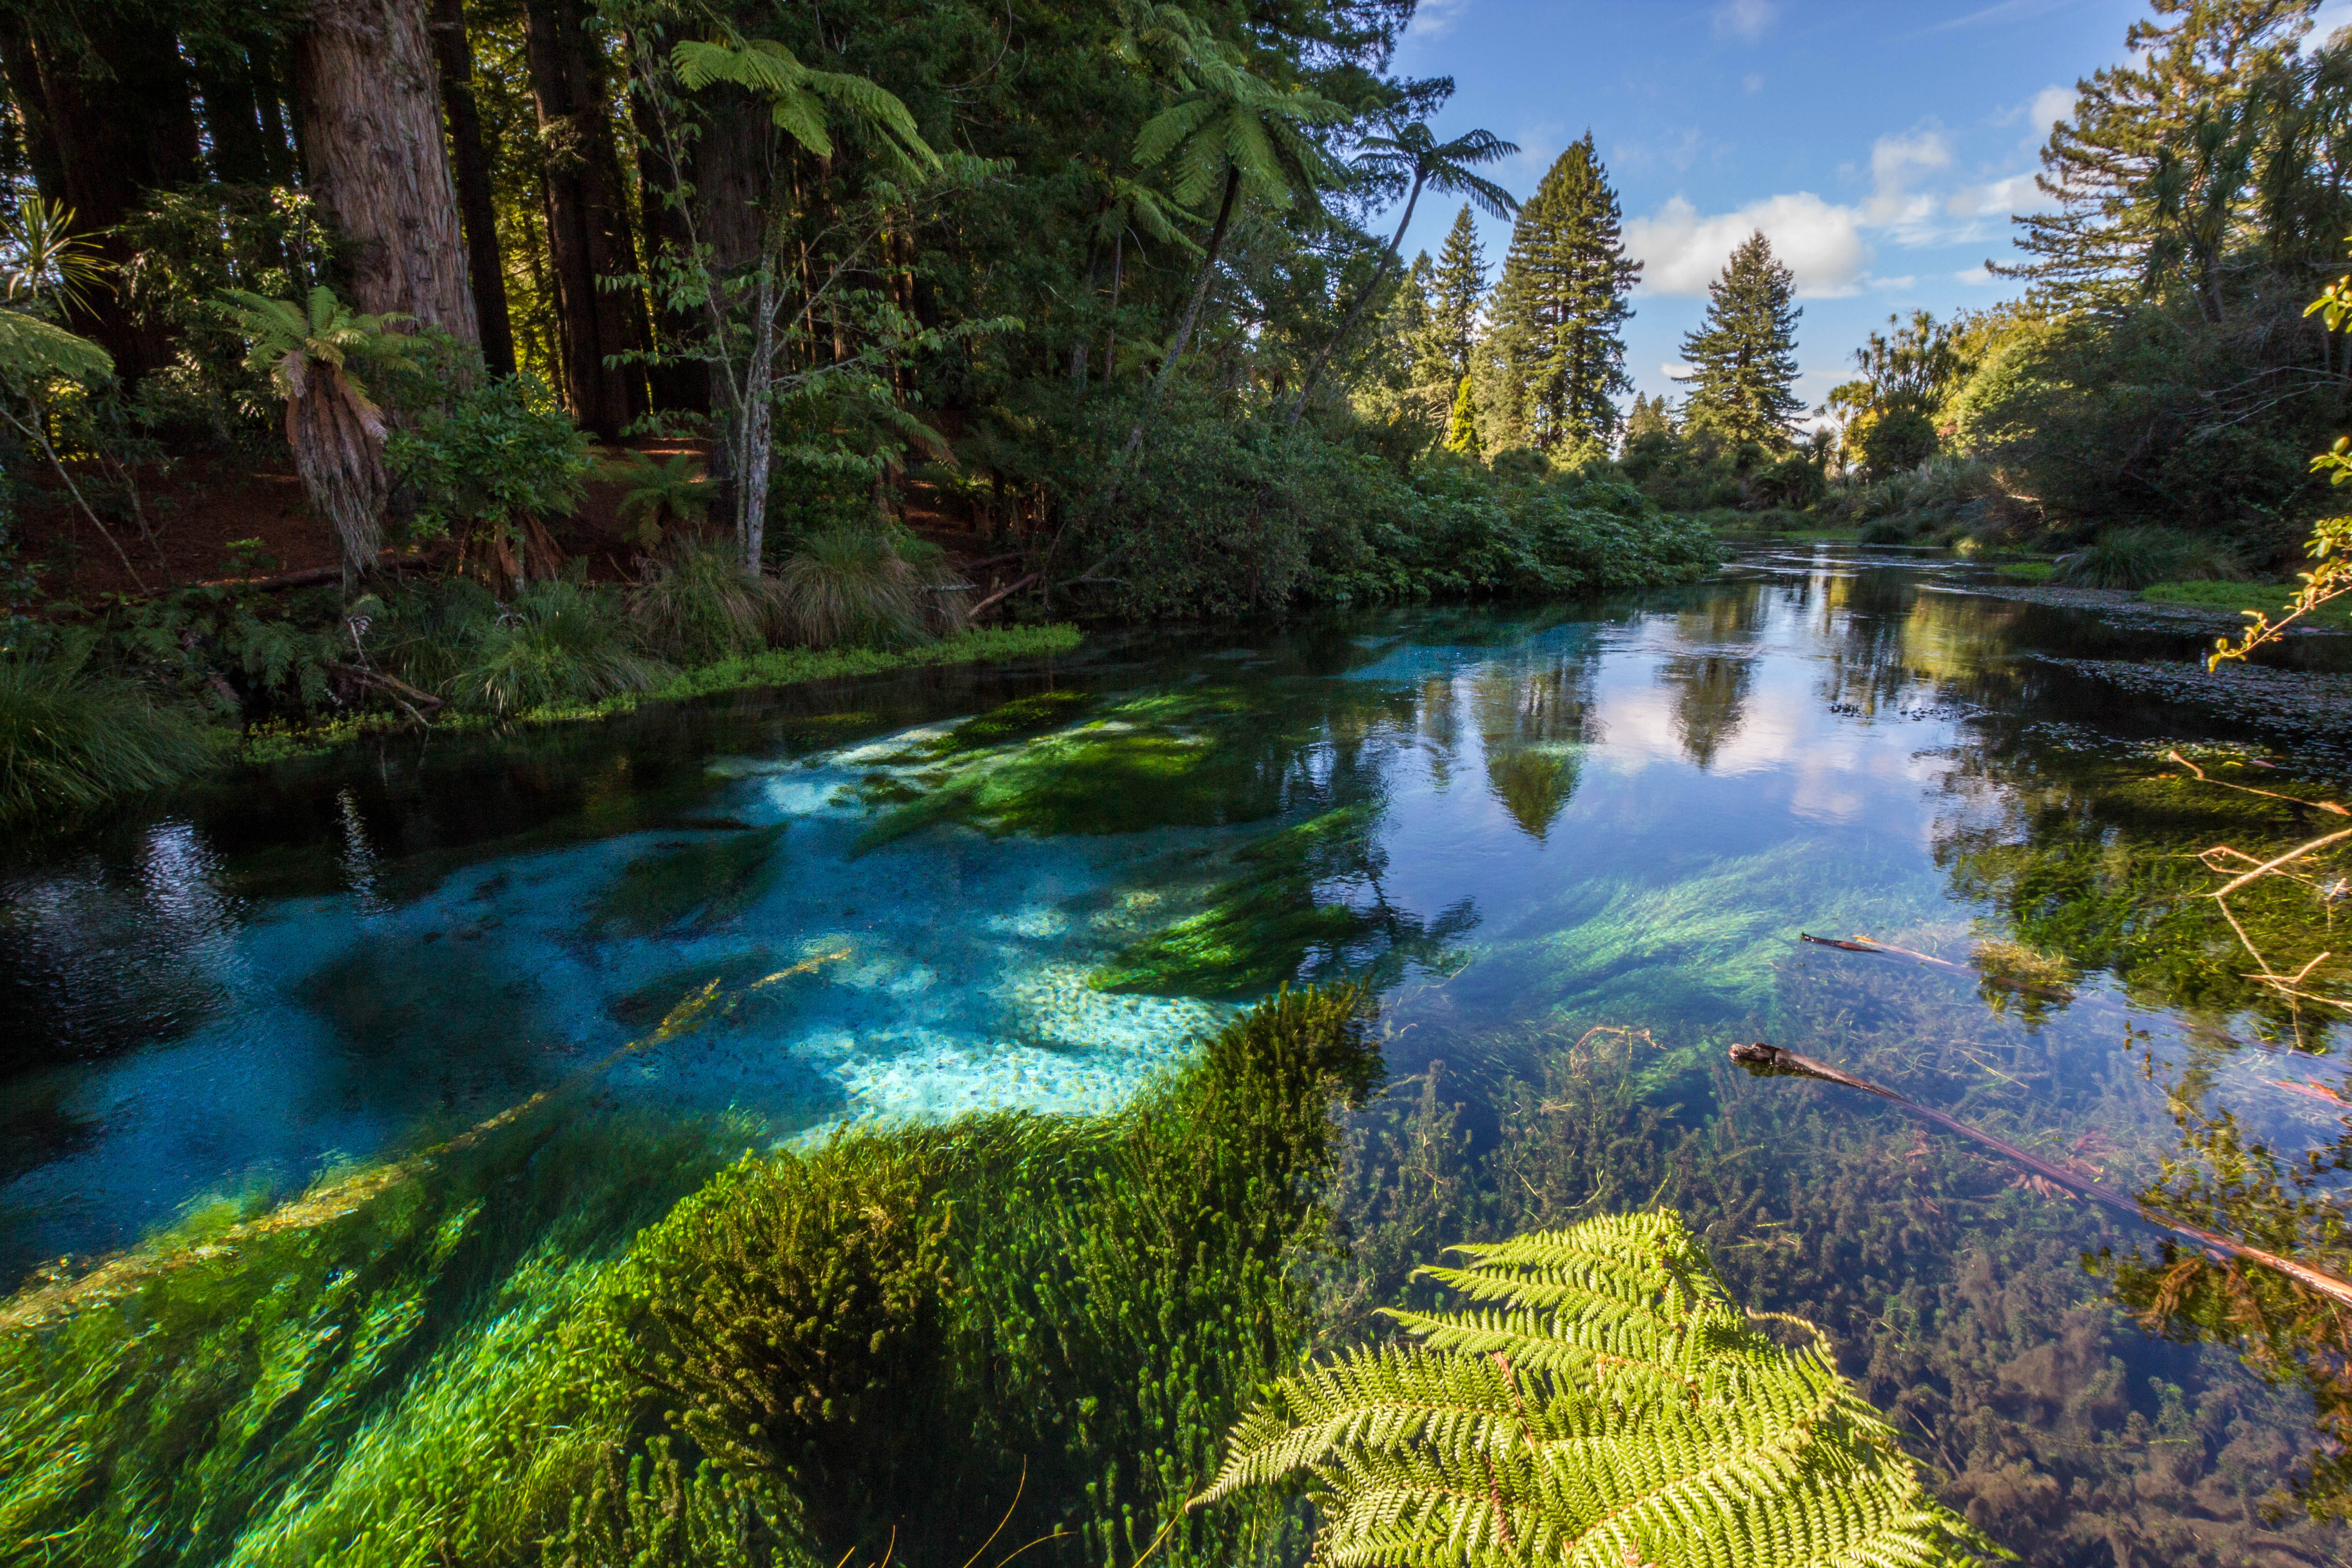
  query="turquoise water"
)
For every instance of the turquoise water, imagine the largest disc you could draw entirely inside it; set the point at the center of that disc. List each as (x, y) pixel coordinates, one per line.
(1035, 885)
(1618, 815)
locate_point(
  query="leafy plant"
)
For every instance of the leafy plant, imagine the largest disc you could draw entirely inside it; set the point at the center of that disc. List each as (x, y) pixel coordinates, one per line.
(312, 351)
(490, 465)
(559, 642)
(1607, 1404)
(661, 493)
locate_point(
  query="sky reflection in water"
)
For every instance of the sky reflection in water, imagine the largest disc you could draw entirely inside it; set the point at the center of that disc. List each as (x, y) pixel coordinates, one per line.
(1618, 815)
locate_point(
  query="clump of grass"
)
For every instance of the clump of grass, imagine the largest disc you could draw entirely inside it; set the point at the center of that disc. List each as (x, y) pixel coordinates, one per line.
(2135, 557)
(696, 605)
(72, 739)
(873, 585)
(559, 643)
(2026, 571)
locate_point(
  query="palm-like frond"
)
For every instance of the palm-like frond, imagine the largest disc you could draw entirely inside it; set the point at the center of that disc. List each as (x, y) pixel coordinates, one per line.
(32, 349)
(1612, 1407)
(1415, 155)
(804, 102)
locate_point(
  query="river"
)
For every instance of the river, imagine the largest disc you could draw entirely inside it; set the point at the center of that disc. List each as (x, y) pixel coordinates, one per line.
(1030, 884)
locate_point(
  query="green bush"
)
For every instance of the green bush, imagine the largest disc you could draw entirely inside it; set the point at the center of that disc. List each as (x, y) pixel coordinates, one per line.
(2135, 557)
(73, 738)
(871, 584)
(696, 605)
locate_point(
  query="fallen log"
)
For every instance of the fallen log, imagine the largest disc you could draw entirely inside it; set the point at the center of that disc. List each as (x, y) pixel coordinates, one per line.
(1885, 951)
(1771, 1061)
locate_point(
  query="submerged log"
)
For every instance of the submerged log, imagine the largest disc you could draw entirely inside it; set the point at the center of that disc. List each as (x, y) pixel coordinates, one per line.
(1771, 1061)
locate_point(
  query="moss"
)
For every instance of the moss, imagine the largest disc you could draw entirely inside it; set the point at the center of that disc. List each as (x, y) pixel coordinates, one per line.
(2027, 571)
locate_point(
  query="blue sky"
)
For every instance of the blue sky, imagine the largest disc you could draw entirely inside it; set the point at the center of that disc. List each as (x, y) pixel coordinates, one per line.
(1882, 147)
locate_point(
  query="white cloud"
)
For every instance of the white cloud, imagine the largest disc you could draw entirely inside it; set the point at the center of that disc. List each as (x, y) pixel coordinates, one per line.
(1435, 19)
(1682, 251)
(2002, 11)
(1897, 165)
(2049, 106)
(1752, 82)
(1905, 281)
(1674, 370)
(1996, 198)
(1744, 19)
(1977, 275)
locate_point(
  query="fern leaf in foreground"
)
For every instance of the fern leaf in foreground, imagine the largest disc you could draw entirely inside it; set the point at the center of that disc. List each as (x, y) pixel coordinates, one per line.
(1608, 1405)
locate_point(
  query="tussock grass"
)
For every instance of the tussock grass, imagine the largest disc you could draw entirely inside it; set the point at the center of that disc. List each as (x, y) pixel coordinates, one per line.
(72, 740)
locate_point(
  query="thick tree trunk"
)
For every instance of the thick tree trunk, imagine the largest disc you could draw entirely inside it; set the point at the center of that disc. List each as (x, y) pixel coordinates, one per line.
(1191, 316)
(587, 220)
(728, 166)
(99, 140)
(453, 56)
(683, 386)
(370, 116)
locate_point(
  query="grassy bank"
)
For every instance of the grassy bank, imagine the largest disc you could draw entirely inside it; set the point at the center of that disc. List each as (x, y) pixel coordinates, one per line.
(748, 672)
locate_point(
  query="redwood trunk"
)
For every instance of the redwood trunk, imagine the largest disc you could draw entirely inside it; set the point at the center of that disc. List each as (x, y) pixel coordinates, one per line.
(453, 55)
(587, 220)
(98, 140)
(371, 132)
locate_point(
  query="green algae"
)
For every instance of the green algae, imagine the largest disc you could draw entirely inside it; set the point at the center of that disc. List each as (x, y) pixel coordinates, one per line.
(1266, 925)
(1156, 760)
(689, 885)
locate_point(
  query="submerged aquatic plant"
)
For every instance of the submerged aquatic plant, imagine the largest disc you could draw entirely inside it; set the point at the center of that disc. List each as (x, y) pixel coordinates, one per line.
(1612, 1405)
(71, 738)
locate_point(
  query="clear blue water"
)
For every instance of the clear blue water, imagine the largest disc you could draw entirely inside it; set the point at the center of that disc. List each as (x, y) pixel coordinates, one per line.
(1623, 815)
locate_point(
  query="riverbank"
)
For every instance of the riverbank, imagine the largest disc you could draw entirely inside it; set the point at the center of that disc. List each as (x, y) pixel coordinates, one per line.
(767, 668)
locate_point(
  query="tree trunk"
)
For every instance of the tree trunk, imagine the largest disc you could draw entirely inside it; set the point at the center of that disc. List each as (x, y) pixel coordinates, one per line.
(453, 55)
(587, 220)
(681, 385)
(240, 156)
(98, 140)
(1191, 312)
(1388, 259)
(726, 169)
(370, 120)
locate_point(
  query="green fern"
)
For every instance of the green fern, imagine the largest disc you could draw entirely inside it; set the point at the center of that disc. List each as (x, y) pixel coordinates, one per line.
(1609, 1406)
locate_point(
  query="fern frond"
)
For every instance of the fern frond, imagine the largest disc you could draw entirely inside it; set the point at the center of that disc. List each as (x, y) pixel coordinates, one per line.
(1607, 1403)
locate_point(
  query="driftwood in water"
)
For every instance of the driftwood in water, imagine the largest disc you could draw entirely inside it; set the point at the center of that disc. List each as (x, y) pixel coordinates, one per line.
(1883, 949)
(1771, 1061)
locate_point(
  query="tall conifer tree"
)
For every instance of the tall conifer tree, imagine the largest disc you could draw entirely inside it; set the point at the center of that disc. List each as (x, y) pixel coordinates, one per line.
(1743, 357)
(1560, 309)
(1456, 290)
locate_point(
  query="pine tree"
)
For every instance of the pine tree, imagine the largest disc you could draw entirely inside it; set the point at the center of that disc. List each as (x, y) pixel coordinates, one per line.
(1457, 289)
(1742, 357)
(1560, 309)
(1462, 430)
(1649, 418)
(2122, 167)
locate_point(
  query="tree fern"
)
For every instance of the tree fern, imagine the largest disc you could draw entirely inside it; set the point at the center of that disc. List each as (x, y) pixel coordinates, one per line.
(1605, 1404)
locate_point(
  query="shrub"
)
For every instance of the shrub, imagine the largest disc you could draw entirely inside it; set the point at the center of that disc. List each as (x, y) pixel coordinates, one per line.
(875, 584)
(2135, 557)
(71, 739)
(493, 461)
